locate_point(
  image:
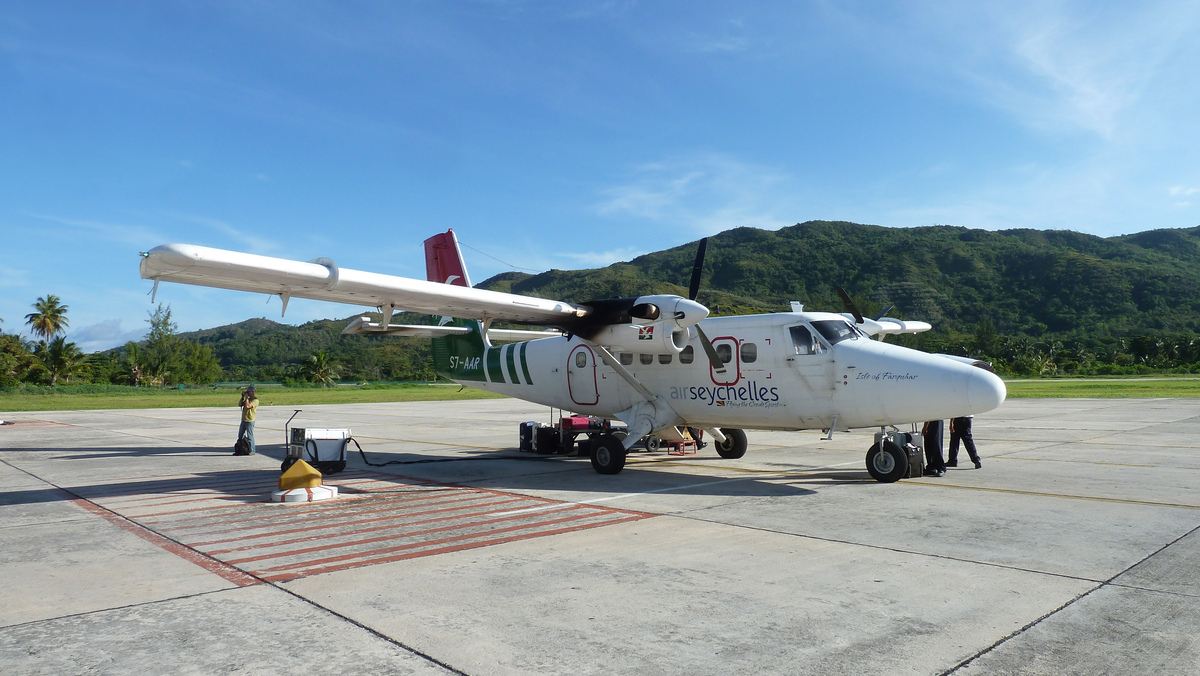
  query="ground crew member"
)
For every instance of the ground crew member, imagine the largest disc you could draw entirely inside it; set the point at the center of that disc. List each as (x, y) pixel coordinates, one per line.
(249, 406)
(960, 428)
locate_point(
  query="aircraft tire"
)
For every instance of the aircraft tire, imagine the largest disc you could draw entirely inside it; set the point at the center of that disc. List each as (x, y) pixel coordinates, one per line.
(652, 443)
(734, 445)
(887, 465)
(608, 454)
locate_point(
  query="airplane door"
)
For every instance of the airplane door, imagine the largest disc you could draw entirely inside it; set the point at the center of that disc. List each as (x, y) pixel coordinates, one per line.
(813, 363)
(581, 376)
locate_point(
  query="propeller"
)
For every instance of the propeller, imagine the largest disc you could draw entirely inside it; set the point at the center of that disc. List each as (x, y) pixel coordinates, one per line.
(883, 312)
(693, 289)
(850, 306)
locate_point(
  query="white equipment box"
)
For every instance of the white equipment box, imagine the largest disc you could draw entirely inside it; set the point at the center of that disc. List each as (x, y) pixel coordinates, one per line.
(323, 448)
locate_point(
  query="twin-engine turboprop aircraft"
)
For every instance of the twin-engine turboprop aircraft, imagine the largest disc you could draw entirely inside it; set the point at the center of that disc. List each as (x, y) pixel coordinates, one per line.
(658, 363)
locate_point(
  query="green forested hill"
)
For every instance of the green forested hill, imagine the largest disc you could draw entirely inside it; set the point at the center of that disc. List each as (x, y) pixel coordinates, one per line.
(1027, 282)
(263, 350)
(1034, 301)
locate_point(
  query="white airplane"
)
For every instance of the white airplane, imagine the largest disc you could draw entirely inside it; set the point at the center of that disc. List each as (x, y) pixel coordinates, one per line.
(648, 361)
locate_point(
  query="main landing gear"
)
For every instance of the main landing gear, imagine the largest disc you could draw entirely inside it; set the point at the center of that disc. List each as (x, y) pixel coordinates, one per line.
(608, 454)
(734, 445)
(608, 450)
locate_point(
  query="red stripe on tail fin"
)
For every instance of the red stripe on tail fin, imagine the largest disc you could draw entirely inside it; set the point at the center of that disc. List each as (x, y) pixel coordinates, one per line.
(443, 260)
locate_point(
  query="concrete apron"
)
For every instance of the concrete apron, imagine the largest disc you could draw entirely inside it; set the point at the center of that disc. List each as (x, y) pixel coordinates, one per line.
(1072, 551)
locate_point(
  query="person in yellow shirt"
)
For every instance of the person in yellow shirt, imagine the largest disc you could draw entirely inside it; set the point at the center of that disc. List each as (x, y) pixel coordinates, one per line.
(249, 406)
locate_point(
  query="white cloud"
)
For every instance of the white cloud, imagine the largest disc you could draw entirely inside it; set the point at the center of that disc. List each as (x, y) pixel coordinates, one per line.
(104, 335)
(13, 276)
(599, 259)
(243, 235)
(107, 231)
(704, 194)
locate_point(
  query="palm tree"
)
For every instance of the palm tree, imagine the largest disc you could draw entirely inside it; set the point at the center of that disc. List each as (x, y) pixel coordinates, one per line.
(63, 360)
(50, 318)
(321, 368)
(134, 363)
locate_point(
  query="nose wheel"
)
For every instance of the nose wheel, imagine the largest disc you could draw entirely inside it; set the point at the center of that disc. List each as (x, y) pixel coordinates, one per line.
(886, 462)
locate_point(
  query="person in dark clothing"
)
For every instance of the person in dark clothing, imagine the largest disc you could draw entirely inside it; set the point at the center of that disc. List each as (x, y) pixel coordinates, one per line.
(960, 428)
(931, 432)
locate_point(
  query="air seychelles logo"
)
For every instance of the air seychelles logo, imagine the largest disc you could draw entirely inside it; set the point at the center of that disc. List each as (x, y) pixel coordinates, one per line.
(744, 395)
(646, 332)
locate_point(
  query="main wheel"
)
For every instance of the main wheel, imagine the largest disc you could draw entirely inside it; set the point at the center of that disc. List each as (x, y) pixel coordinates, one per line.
(888, 464)
(652, 443)
(734, 445)
(608, 454)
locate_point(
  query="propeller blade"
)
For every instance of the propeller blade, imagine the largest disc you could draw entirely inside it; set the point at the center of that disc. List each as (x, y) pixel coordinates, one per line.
(883, 312)
(850, 306)
(697, 269)
(713, 357)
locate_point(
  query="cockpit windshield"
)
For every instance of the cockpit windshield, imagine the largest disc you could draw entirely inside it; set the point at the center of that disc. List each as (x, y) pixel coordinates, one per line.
(836, 330)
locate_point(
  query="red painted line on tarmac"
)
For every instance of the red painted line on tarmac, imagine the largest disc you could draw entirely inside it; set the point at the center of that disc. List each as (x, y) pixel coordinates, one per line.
(136, 488)
(413, 545)
(359, 531)
(208, 563)
(382, 538)
(311, 511)
(305, 572)
(210, 490)
(354, 522)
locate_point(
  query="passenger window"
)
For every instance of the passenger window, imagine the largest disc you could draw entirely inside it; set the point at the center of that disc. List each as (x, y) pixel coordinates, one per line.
(725, 353)
(664, 359)
(626, 358)
(749, 353)
(580, 359)
(646, 359)
(687, 355)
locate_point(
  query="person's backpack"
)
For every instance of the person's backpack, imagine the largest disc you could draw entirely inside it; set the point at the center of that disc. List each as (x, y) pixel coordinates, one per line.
(242, 447)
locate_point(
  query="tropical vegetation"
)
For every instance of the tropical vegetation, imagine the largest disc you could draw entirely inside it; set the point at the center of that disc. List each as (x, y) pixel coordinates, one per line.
(1033, 302)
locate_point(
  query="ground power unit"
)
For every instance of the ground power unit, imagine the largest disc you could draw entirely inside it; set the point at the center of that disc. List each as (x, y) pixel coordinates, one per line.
(322, 447)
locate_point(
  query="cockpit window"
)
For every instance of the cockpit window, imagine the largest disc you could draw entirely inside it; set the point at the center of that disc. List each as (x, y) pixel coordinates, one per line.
(836, 330)
(804, 342)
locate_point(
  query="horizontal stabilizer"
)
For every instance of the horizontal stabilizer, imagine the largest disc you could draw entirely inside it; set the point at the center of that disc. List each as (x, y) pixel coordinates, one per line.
(888, 325)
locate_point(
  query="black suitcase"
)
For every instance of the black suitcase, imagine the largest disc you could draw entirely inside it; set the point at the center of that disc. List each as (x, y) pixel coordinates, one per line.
(527, 429)
(545, 441)
(916, 457)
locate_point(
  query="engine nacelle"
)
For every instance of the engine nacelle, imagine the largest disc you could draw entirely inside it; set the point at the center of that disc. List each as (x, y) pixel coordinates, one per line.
(677, 311)
(657, 338)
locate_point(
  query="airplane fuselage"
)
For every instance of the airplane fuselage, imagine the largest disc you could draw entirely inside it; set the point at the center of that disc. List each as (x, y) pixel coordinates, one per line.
(799, 370)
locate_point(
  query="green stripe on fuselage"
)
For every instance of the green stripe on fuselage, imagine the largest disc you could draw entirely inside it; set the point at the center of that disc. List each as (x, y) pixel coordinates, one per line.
(512, 364)
(495, 373)
(525, 364)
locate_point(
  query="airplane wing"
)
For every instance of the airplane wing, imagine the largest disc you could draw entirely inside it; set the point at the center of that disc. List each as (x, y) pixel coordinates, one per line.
(364, 326)
(322, 279)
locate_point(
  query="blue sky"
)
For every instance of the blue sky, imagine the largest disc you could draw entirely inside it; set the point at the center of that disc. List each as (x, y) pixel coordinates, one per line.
(560, 134)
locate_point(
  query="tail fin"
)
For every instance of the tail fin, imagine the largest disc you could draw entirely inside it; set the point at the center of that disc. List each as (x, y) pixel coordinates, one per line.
(455, 357)
(444, 261)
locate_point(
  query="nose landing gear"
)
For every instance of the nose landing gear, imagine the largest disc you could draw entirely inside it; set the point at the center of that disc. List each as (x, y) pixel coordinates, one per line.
(886, 461)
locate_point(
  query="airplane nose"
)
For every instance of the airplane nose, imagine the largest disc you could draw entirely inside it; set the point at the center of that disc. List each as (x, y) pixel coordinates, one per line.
(985, 390)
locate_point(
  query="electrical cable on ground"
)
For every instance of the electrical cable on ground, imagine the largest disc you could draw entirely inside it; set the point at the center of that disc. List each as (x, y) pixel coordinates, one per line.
(432, 460)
